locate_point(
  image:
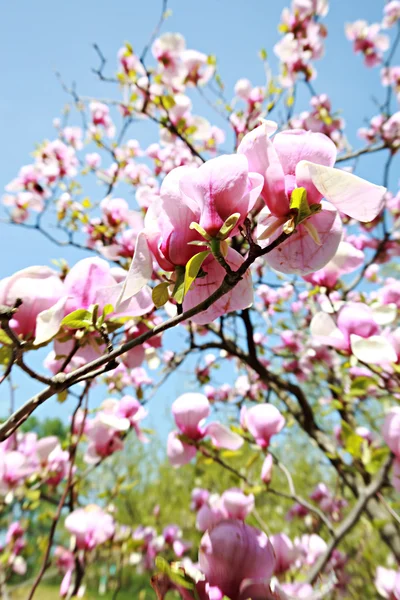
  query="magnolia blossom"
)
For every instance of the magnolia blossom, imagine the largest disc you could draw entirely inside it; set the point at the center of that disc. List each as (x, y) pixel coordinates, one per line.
(91, 526)
(40, 289)
(190, 411)
(357, 330)
(387, 583)
(391, 13)
(285, 552)
(263, 421)
(302, 159)
(368, 40)
(391, 430)
(238, 559)
(207, 196)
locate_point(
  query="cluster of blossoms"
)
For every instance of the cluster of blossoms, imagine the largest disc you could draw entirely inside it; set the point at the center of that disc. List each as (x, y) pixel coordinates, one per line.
(321, 119)
(288, 258)
(303, 40)
(26, 460)
(12, 549)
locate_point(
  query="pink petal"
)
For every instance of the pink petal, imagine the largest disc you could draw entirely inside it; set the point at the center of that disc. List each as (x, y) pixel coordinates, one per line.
(353, 196)
(222, 437)
(263, 159)
(296, 145)
(178, 452)
(239, 298)
(300, 254)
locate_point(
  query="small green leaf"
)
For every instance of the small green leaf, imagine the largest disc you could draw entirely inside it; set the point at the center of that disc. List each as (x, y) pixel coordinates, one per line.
(62, 396)
(168, 102)
(179, 289)
(160, 294)
(193, 267)
(200, 230)
(263, 54)
(298, 203)
(227, 227)
(4, 339)
(78, 319)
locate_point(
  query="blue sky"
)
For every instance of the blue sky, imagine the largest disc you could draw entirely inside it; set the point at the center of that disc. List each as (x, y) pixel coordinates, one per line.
(41, 37)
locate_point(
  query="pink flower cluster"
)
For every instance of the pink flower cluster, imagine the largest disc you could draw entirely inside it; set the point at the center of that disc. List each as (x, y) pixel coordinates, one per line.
(302, 41)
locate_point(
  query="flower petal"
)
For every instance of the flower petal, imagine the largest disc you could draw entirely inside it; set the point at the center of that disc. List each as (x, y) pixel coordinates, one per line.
(353, 196)
(375, 350)
(222, 437)
(139, 273)
(48, 321)
(300, 254)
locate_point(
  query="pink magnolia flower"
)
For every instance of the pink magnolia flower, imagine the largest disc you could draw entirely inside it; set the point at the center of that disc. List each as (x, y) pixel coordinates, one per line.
(91, 281)
(302, 159)
(39, 288)
(356, 331)
(207, 195)
(391, 430)
(285, 553)
(239, 298)
(266, 469)
(14, 468)
(346, 260)
(190, 411)
(387, 583)
(172, 535)
(91, 526)
(236, 504)
(310, 547)
(391, 13)
(14, 532)
(199, 497)
(263, 421)
(104, 436)
(238, 559)
(221, 187)
(368, 40)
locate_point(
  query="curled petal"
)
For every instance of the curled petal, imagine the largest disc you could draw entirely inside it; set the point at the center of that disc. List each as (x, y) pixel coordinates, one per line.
(222, 437)
(178, 452)
(263, 159)
(353, 196)
(48, 321)
(139, 273)
(324, 330)
(375, 350)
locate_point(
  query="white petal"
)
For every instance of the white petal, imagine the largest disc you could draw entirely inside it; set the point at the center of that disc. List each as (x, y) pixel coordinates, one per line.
(48, 322)
(374, 350)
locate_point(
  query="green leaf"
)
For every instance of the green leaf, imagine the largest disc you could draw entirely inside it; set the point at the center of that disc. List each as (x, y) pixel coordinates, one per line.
(4, 339)
(298, 203)
(193, 267)
(200, 230)
(174, 573)
(160, 294)
(179, 289)
(227, 227)
(78, 319)
(62, 396)
(168, 102)
(263, 54)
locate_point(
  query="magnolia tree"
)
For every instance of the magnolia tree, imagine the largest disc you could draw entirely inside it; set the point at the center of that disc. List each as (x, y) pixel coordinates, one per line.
(273, 260)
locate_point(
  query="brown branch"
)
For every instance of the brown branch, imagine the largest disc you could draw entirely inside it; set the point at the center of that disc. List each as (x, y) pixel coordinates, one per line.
(351, 520)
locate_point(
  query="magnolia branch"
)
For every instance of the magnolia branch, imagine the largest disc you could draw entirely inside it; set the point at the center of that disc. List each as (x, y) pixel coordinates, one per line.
(351, 520)
(101, 365)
